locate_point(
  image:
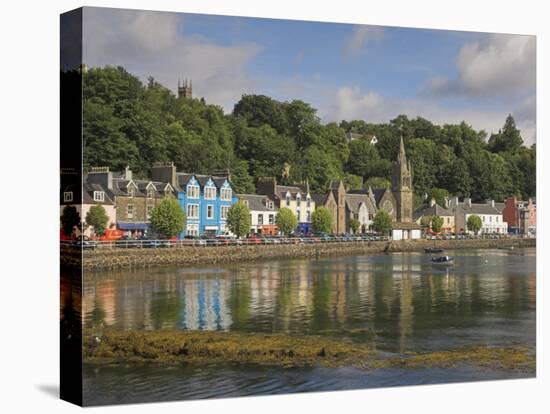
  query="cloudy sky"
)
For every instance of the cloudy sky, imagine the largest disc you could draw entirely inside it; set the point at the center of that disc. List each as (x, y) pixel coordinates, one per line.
(345, 71)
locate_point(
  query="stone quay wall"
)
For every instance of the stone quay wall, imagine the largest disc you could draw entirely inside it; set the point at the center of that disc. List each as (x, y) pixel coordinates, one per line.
(117, 258)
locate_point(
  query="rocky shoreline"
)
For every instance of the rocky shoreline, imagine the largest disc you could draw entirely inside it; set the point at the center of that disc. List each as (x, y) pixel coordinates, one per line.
(174, 347)
(117, 258)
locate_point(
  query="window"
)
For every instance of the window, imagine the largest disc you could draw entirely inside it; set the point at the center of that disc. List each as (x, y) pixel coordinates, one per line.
(298, 215)
(484, 219)
(245, 202)
(193, 191)
(371, 216)
(271, 219)
(308, 201)
(192, 211)
(149, 210)
(168, 192)
(99, 196)
(491, 219)
(270, 205)
(131, 192)
(298, 200)
(260, 219)
(288, 200)
(225, 194)
(224, 211)
(68, 196)
(210, 193)
(150, 193)
(308, 216)
(130, 211)
(192, 229)
(210, 211)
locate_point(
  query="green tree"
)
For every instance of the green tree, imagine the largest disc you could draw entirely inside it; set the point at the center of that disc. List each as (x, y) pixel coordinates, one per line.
(321, 220)
(168, 218)
(286, 221)
(439, 195)
(353, 182)
(474, 223)
(508, 138)
(97, 218)
(240, 178)
(382, 222)
(238, 219)
(69, 219)
(377, 182)
(437, 223)
(354, 225)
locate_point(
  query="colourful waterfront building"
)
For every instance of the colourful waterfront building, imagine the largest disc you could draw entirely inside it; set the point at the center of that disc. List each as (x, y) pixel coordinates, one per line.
(205, 199)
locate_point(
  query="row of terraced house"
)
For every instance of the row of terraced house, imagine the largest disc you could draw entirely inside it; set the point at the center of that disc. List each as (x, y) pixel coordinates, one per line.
(206, 200)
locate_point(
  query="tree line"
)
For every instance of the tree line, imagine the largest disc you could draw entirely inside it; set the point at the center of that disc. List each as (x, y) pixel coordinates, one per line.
(128, 122)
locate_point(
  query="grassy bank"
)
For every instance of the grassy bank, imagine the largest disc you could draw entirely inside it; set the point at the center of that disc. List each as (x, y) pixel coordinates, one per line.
(173, 347)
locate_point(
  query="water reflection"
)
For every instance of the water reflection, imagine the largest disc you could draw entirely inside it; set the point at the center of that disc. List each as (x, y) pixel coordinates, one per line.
(397, 302)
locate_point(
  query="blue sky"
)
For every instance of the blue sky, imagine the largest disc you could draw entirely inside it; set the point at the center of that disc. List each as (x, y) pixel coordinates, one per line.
(345, 71)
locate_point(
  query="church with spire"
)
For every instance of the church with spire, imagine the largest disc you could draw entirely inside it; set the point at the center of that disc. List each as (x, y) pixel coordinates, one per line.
(404, 227)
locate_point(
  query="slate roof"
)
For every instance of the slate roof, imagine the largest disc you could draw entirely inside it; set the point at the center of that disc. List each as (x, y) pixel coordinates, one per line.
(479, 209)
(426, 210)
(86, 194)
(500, 206)
(354, 201)
(281, 190)
(377, 192)
(320, 199)
(255, 202)
(183, 179)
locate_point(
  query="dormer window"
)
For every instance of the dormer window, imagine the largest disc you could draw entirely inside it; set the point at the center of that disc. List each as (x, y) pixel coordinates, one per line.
(298, 200)
(308, 199)
(270, 205)
(131, 192)
(193, 191)
(226, 194)
(99, 196)
(210, 193)
(245, 202)
(150, 193)
(68, 196)
(287, 199)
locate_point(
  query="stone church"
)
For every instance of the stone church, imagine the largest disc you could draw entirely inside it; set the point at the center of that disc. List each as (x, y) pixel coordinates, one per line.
(404, 227)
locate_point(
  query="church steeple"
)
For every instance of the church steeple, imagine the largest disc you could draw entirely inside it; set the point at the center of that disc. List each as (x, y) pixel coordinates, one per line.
(402, 185)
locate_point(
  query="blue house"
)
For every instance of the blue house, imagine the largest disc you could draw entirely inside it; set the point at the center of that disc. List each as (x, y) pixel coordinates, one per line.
(205, 201)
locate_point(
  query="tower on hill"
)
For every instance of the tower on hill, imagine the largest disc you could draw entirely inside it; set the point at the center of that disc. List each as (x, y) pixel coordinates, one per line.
(185, 89)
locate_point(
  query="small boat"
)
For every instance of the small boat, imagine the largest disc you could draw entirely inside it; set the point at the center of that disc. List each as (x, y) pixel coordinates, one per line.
(432, 250)
(443, 260)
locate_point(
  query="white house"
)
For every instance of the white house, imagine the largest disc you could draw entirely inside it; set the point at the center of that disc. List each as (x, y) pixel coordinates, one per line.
(491, 217)
(262, 213)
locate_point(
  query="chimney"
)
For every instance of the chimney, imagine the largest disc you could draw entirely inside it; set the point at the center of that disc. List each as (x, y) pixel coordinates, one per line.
(101, 176)
(127, 173)
(447, 202)
(491, 202)
(432, 202)
(468, 201)
(165, 173)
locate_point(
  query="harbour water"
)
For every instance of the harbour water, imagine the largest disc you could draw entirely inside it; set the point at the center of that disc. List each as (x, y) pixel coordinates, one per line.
(395, 303)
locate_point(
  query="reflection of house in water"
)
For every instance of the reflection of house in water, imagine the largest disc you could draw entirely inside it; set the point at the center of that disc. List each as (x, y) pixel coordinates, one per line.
(101, 294)
(206, 305)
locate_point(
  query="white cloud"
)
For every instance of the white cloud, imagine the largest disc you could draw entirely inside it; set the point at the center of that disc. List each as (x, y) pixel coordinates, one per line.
(154, 44)
(360, 37)
(351, 103)
(499, 65)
